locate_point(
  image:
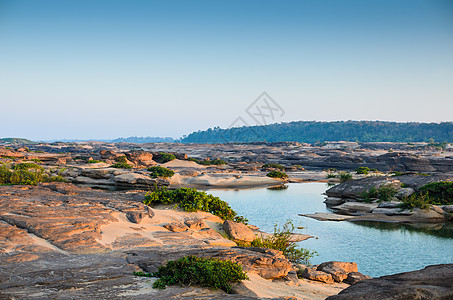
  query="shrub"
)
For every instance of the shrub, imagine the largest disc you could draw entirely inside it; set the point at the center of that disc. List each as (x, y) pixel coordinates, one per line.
(344, 176)
(417, 200)
(36, 160)
(282, 240)
(94, 161)
(190, 199)
(119, 165)
(159, 171)
(190, 270)
(163, 157)
(396, 173)
(25, 176)
(121, 159)
(273, 166)
(27, 166)
(362, 170)
(436, 193)
(208, 162)
(331, 175)
(383, 193)
(277, 174)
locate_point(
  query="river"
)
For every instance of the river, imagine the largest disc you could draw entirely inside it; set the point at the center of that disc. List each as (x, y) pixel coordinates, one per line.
(378, 248)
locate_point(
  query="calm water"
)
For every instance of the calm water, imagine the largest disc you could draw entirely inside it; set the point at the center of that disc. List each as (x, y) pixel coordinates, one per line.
(378, 248)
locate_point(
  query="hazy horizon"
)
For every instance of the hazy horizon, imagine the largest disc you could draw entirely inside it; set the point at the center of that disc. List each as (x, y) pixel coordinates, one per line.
(110, 69)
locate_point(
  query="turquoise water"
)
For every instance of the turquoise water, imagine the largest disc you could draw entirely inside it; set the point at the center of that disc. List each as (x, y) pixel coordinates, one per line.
(378, 248)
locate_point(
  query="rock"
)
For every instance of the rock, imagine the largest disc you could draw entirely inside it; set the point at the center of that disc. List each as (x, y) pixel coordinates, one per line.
(333, 201)
(338, 270)
(140, 158)
(355, 188)
(432, 214)
(327, 217)
(393, 211)
(433, 282)
(176, 227)
(355, 208)
(354, 277)
(404, 193)
(189, 173)
(448, 208)
(195, 224)
(389, 204)
(238, 231)
(268, 263)
(104, 173)
(313, 274)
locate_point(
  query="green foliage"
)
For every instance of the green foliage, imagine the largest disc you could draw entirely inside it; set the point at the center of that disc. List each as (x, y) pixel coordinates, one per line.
(163, 157)
(277, 174)
(383, 193)
(273, 166)
(396, 173)
(119, 165)
(331, 175)
(25, 176)
(190, 199)
(121, 159)
(36, 160)
(362, 170)
(312, 131)
(159, 171)
(344, 176)
(436, 193)
(282, 240)
(27, 166)
(208, 162)
(94, 161)
(191, 270)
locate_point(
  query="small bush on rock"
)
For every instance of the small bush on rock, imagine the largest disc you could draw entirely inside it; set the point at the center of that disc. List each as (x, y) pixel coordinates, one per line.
(191, 270)
(119, 165)
(383, 193)
(436, 193)
(159, 171)
(277, 174)
(274, 166)
(362, 170)
(163, 157)
(344, 176)
(190, 199)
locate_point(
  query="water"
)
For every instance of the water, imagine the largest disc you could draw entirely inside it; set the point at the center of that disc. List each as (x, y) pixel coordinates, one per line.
(378, 248)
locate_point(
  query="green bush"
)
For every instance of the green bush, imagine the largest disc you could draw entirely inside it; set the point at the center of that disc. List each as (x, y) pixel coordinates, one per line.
(36, 160)
(277, 174)
(331, 175)
(119, 165)
(362, 170)
(282, 240)
(94, 161)
(191, 270)
(121, 159)
(273, 166)
(436, 193)
(344, 176)
(383, 193)
(24, 176)
(163, 157)
(397, 173)
(208, 162)
(190, 199)
(159, 171)
(27, 166)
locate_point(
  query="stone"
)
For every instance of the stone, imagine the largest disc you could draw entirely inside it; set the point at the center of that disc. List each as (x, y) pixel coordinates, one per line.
(354, 277)
(355, 208)
(238, 231)
(333, 201)
(404, 193)
(176, 227)
(140, 158)
(313, 274)
(195, 224)
(347, 267)
(393, 211)
(448, 208)
(433, 282)
(355, 188)
(389, 204)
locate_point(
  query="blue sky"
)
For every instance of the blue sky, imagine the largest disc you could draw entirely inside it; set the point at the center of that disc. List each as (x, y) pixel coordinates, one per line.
(105, 69)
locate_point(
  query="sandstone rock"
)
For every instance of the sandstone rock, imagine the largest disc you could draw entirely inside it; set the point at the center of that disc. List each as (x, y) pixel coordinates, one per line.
(355, 188)
(190, 173)
(313, 274)
(140, 158)
(355, 208)
(347, 267)
(389, 204)
(195, 224)
(433, 282)
(176, 227)
(404, 193)
(333, 201)
(354, 277)
(393, 211)
(448, 208)
(238, 231)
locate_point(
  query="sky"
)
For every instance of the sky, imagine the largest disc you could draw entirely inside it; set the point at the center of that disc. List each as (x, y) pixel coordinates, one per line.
(91, 69)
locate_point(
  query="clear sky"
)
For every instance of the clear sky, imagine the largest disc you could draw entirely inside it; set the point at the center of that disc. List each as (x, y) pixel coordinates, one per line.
(106, 69)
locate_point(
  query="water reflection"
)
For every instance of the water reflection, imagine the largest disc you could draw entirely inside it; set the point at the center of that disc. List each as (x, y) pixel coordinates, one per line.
(443, 230)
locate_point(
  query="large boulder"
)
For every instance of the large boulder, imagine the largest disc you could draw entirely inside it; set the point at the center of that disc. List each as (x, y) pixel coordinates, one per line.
(339, 270)
(140, 158)
(433, 282)
(316, 275)
(355, 188)
(355, 277)
(238, 231)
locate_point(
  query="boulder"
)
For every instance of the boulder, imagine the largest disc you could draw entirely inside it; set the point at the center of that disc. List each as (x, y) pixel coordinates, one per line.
(393, 211)
(433, 282)
(339, 270)
(313, 274)
(140, 158)
(448, 208)
(354, 277)
(389, 204)
(333, 201)
(176, 227)
(355, 208)
(355, 188)
(195, 224)
(404, 193)
(238, 231)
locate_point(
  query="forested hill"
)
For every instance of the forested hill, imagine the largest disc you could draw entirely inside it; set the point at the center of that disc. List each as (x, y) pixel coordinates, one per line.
(312, 131)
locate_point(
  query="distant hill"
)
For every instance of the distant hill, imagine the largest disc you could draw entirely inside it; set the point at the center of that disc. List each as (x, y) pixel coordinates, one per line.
(16, 141)
(313, 131)
(141, 140)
